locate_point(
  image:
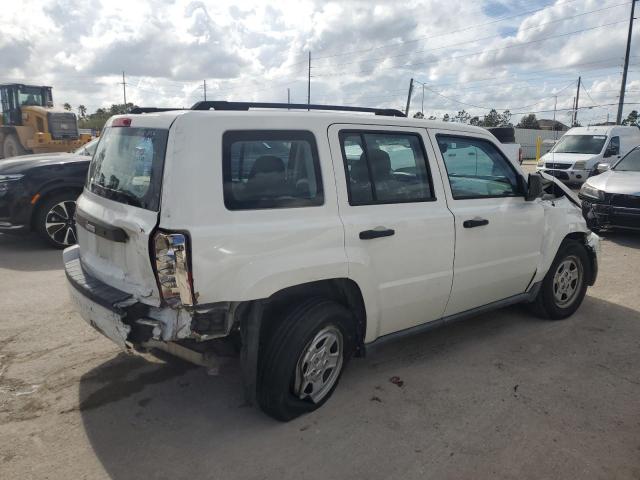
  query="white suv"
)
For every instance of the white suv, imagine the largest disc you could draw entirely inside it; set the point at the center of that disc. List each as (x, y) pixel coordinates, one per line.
(300, 238)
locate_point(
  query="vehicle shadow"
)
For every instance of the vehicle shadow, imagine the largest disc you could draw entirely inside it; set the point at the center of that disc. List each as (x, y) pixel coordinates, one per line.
(624, 238)
(28, 253)
(173, 421)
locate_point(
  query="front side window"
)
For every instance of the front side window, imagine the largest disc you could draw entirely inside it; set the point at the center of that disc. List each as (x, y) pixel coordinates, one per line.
(630, 162)
(270, 169)
(614, 146)
(385, 168)
(127, 166)
(587, 144)
(477, 169)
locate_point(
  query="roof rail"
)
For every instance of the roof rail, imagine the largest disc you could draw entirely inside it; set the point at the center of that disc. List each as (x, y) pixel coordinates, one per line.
(152, 110)
(224, 105)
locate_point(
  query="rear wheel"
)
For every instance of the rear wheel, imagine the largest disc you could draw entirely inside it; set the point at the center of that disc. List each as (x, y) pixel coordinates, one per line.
(12, 147)
(565, 284)
(56, 220)
(304, 357)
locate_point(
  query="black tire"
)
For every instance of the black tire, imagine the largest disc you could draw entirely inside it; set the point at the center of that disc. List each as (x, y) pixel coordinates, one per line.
(49, 213)
(547, 304)
(286, 346)
(11, 146)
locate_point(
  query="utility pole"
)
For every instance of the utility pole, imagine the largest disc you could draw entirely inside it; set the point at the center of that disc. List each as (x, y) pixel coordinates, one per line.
(309, 81)
(555, 130)
(422, 111)
(204, 85)
(623, 85)
(406, 112)
(288, 96)
(575, 112)
(124, 91)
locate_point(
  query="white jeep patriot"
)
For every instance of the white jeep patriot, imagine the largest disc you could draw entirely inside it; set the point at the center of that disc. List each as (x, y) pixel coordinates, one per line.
(301, 238)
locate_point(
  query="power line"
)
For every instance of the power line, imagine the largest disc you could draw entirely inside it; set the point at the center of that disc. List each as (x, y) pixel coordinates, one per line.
(430, 37)
(466, 42)
(405, 67)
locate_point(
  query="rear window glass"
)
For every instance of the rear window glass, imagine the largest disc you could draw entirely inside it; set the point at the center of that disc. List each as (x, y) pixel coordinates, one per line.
(127, 166)
(270, 169)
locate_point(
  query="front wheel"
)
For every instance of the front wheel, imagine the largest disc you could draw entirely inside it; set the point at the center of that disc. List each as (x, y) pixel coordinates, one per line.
(565, 284)
(304, 357)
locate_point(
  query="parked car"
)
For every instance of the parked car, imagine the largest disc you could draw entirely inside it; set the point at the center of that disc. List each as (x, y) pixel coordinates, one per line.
(38, 193)
(305, 238)
(575, 156)
(612, 199)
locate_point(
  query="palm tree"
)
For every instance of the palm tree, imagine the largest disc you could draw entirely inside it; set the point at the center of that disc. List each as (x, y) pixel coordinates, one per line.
(82, 111)
(67, 107)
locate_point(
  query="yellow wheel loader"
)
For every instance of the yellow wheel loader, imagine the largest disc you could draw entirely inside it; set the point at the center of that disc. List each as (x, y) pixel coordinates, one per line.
(30, 124)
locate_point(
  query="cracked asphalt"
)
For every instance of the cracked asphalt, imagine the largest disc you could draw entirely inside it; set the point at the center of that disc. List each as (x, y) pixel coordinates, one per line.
(502, 395)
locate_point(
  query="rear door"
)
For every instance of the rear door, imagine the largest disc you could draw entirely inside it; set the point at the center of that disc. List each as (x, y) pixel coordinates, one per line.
(399, 234)
(498, 233)
(118, 210)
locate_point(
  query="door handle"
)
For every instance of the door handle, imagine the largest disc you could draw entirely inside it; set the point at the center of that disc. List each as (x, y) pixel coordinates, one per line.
(476, 222)
(376, 233)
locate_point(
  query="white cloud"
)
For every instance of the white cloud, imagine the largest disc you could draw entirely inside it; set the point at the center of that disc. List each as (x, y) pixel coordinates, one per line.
(363, 52)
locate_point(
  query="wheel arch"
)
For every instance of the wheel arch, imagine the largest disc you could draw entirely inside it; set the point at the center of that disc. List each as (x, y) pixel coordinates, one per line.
(46, 193)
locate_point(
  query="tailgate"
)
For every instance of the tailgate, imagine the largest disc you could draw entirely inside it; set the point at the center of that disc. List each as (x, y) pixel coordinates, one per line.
(114, 245)
(118, 210)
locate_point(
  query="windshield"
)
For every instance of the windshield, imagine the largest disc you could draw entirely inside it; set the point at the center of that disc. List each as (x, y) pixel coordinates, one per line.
(589, 144)
(127, 166)
(88, 148)
(629, 163)
(30, 96)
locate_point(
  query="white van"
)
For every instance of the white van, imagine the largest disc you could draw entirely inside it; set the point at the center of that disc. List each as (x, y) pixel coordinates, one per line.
(575, 157)
(300, 239)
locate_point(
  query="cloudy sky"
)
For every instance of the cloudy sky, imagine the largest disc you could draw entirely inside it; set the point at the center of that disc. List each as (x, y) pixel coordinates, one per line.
(515, 54)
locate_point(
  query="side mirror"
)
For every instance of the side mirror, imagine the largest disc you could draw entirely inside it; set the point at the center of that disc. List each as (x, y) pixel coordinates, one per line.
(603, 167)
(534, 187)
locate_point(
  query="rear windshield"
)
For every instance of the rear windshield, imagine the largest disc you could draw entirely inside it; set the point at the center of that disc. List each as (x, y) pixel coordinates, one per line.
(589, 144)
(127, 166)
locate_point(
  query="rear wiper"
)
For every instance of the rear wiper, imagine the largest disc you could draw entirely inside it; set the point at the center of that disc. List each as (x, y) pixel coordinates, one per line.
(124, 196)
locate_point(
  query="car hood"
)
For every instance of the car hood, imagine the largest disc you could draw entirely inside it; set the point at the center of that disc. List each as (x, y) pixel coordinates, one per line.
(26, 162)
(566, 157)
(612, 181)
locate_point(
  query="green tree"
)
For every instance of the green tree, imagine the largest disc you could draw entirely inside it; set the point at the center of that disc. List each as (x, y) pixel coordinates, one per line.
(491, 119)
(529, 121)
(67, 107)
(475, 121)
(505, 119)
(446, 118)
(632, 118)
(418, 115)
(82, 111)
(462, 117)
(432, 117)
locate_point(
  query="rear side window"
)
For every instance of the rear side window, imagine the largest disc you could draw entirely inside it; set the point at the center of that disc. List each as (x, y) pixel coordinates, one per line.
(385, 167)
(270, 169)
(127, 166)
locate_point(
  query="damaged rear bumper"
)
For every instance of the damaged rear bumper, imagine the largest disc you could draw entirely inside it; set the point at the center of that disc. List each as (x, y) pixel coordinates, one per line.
(133, 325)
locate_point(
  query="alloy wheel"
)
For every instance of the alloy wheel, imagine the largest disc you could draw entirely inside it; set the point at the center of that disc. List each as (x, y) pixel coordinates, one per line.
(60, 223)
(319, 365)
(567, 281)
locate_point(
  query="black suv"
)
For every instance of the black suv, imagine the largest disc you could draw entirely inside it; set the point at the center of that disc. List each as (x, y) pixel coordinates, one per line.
(38, 193)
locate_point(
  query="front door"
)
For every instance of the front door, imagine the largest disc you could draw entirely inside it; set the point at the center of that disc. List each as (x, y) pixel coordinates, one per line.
(498, 233)
(399, 233)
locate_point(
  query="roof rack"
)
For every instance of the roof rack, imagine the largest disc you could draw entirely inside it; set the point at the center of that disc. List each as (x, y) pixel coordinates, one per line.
(152, 110)
(224, 105)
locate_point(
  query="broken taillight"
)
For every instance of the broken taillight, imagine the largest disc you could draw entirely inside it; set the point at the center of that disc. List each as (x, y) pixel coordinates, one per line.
(171, 252)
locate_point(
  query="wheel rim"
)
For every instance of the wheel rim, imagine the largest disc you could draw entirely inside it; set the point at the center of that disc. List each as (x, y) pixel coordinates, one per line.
(567, 281)
(319, 365)
(60, 223)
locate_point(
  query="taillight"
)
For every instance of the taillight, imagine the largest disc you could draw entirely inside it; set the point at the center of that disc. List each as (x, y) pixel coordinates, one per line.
(171, 252)
(121, 122)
